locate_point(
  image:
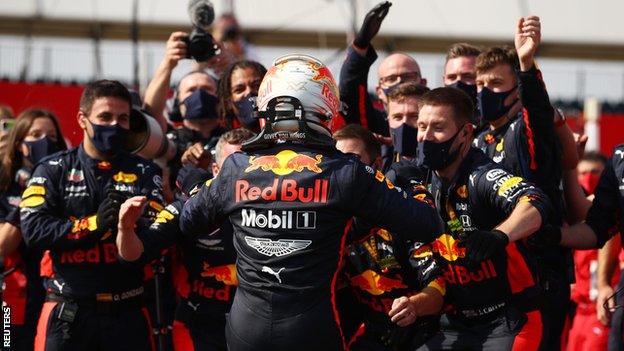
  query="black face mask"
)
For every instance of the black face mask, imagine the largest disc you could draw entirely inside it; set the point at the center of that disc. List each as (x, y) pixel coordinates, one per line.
(492, 105)
(200, 104)
(109, 139)
(40, 148)
(245, 107)
(404, 140)
(437, 156)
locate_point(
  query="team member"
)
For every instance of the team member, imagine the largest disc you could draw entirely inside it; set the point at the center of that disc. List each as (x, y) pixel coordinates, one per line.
(490, 282)
(604, 220)
(289, 198)
(36, 134)
(386, 276)
(355, 139)
(403, 109)
(523, 138)
(206, 276)
(70, 208)
(394, 69)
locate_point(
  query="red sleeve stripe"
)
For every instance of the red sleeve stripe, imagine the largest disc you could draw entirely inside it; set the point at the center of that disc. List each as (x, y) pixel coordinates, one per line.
(341, 252)
(362, 105)
(530, 139)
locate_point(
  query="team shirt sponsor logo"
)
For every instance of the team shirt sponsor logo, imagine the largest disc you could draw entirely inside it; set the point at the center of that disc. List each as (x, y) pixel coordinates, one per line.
(494, 174)
(75, 175)
(460, 275)
(122, 177)
(278, 220)
(34, 190)
(225, 274)
(37, 180)
(278, 248)
(375, 283)
(284, 163)
(448, 247)
(287, 190)
(462, 192)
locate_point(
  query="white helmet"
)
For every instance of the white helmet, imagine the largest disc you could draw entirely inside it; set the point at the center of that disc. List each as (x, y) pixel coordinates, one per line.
(298, 95)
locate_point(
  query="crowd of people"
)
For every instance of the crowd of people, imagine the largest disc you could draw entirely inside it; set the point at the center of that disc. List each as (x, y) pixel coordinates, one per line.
(293, 212)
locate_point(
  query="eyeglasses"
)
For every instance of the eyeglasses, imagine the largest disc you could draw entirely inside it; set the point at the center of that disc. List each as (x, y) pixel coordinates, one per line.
(393, 79)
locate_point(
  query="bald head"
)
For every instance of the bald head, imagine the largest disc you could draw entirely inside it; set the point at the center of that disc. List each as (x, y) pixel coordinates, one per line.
(395, 69)
(193, 81)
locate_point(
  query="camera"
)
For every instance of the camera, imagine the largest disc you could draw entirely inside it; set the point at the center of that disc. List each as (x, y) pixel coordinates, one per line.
(146, 138)
(201, 46)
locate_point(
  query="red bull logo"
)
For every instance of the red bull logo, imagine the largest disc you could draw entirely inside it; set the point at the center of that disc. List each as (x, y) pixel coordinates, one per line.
(287, 190)
(106, 253)
(285, 162)
(462, 192)
(376, 284)
(447, 247)
(460, 275)
(104, 165)
(322, 72)
(224, 274)
(122, 177)
(422, 252)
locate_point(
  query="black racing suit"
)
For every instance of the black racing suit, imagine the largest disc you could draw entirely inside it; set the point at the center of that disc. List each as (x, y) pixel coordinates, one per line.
(528, 146)
(606, 218)
(360, 107)
(21, 284)
(380, 269)
(94, 299)
(290, 208)
(205, 278)
(489, 301)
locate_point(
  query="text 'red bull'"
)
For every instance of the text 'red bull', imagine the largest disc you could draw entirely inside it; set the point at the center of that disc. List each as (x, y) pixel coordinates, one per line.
(287, 190)
(460, 275)
(224, 274)
(106, 253)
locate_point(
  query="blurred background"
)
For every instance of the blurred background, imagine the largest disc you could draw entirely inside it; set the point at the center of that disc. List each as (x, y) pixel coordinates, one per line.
(65, 43)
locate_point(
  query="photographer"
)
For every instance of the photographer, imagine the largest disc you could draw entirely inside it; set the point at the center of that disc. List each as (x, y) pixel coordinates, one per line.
(70, 207)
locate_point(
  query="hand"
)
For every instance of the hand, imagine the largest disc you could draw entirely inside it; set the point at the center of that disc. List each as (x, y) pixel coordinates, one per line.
(527, 39)
(197, 156)
(403, 312)
(175, 49)
(130, 212)
(108, 212)
(603, 314)
(581, 141)
(372, 23)
(483, 244)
